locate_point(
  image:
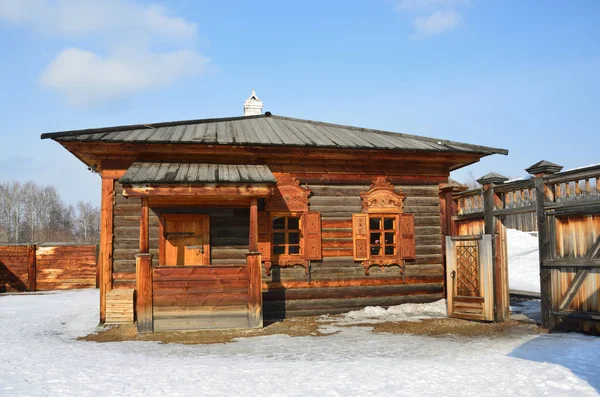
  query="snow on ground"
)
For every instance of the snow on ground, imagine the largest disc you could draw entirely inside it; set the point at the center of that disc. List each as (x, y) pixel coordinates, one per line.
(40, 357)
(405, 312)
(523, 261)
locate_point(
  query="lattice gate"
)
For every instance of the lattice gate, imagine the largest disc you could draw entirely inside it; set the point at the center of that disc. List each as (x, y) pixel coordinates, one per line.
(469, 277)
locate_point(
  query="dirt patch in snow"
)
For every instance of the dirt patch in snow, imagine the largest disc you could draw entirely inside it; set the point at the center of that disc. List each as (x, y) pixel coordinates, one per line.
(309, 326)
(453, 326)
(297, 326)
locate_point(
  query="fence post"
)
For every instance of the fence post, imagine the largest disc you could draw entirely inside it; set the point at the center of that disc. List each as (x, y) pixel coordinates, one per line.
(32, 267)
(546, 235)
(500, 269)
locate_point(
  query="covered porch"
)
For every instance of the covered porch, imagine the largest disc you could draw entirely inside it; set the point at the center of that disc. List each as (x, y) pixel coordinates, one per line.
(187, 289)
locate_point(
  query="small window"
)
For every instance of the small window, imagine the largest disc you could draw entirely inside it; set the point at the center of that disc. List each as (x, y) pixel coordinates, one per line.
(383, 235)
(286, 235)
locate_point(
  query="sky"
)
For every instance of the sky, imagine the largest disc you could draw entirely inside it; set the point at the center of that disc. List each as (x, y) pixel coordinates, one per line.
(519, 75)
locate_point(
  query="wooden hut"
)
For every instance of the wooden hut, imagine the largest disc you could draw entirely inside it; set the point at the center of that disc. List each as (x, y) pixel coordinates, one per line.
(216, 223)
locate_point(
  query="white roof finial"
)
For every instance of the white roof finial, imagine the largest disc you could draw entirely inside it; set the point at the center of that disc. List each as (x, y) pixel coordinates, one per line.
(253, 106)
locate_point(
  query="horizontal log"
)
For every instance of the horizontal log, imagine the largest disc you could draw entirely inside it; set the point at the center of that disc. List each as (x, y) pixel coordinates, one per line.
(323, 306)
(514, 211)
(199, 300)
(197, 273)
(572, 262)
(356, 282)
(352, 292)
(208, 322)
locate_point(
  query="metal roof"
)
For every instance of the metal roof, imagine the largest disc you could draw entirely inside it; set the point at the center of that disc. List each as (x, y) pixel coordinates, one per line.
(191, 173)
(268, 130)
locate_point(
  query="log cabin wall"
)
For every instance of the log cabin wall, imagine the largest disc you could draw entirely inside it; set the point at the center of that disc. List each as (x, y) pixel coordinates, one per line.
(338, 283)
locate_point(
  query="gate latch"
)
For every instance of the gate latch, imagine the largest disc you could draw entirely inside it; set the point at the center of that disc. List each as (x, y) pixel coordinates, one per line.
(195, 247)
(452, 274)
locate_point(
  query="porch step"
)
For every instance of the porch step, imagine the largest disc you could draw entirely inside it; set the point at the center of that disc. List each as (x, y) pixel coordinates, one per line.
(119, 306)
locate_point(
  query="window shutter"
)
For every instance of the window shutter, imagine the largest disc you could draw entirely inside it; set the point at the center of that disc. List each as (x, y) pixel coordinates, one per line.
(407, 236)
(264, 236)
(360, 236)
(311, 230)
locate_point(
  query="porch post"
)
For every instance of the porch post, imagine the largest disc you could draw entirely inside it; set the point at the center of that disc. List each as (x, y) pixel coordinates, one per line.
(143, 286)
(143, 274)
(253, 238)
(255, 312)
(144, 237)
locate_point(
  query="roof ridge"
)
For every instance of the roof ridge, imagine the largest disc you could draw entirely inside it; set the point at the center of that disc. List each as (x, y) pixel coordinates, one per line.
(391, 133)
(60, 134)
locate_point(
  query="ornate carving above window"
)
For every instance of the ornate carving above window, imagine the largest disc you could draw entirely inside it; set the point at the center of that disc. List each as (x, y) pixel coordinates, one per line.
(288, 195)
(382, 198)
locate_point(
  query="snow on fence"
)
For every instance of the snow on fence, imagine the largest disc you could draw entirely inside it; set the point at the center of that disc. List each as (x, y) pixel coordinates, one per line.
(566, 209)
(47, 266)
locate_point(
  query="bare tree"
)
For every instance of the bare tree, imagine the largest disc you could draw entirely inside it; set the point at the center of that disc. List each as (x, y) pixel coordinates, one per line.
(34, 213)
(88, 221)
(471, 181)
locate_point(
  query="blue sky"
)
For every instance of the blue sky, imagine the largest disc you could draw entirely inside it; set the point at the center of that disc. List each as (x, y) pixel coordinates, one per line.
(521, 75)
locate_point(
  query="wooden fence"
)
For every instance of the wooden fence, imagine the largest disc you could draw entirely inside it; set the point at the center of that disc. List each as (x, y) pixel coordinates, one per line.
(47, 266)
(566, 209)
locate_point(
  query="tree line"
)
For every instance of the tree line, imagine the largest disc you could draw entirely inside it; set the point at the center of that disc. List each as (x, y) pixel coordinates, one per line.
(32, 213)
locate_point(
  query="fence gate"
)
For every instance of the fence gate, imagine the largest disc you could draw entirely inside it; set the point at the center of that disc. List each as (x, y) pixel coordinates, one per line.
(469, 277)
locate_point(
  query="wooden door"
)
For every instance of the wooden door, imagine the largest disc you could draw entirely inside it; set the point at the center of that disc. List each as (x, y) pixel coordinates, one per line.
(469, 279)
(186, 240)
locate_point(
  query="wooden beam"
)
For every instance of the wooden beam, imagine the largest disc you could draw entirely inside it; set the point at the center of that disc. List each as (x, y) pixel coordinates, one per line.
(143, 286)
(144, 228)
(112, 174)
(253, 238)
(220, 192)
(255, 298)
(106, 242)
(243, 154)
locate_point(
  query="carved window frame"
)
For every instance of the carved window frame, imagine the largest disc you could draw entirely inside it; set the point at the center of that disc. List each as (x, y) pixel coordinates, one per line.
(291, 200)
(382, 201)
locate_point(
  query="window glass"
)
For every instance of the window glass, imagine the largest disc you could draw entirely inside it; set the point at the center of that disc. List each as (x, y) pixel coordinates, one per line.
(383, 235)
(278, 238)
(293, 223)
(375, 223)
(286, 235)
(388, 224)
(278, 223)
(294, 238)
(375, 238)
(279, 249)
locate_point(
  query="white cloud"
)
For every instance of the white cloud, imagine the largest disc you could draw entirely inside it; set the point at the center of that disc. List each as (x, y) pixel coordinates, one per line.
(436, 23)
(434, 16)
(85, 77)
(125, 32)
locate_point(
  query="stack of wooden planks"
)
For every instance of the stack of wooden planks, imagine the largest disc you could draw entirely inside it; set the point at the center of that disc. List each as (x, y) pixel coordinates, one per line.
(119, 306)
